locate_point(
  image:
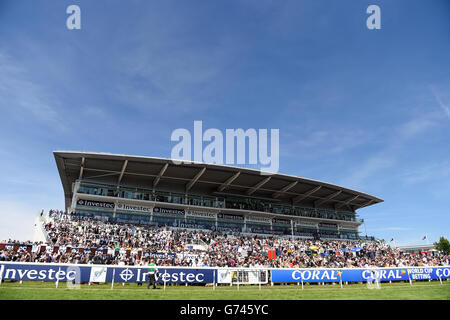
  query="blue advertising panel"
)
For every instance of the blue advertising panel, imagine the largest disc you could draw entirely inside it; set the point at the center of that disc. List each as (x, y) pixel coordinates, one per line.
(186, 275)
(354, 275)
(101, 273)
(44, 272)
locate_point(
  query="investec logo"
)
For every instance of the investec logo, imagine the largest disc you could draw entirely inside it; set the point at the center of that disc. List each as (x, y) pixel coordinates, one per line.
(126, 275)
(213, 152)
(127, 207)
(43, 274)
(100, 204)
(141, 276)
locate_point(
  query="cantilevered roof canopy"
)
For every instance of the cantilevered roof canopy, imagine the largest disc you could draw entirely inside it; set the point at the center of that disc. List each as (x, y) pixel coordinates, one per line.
(202, 178)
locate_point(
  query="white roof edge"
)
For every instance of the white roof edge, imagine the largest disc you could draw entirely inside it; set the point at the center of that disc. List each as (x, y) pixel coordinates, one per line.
(218, 166)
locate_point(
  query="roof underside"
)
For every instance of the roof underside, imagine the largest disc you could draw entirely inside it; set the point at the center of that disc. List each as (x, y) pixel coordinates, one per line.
(201, 178)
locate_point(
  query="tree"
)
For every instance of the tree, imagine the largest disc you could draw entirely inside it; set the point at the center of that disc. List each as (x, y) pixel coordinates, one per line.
(443, 245)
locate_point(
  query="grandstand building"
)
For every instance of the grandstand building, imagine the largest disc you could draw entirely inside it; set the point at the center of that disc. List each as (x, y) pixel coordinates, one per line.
(155, 191)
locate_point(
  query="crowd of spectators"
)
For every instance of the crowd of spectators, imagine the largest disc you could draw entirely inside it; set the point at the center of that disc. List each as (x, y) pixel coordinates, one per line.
(82, 240)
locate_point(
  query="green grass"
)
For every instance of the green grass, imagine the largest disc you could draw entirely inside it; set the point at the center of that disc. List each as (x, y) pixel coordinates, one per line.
(395, 291)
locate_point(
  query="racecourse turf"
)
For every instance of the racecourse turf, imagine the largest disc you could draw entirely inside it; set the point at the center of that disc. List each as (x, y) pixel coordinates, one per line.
(419, 290)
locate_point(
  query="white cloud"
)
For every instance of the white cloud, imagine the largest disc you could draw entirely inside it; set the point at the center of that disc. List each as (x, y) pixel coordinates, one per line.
(166, 75)
(428, 173)
(396, 141)
(416, 126)
(368, 168)
(16, 220)
(394, 229)
(23, 97)
(443, 106)
(323, 142)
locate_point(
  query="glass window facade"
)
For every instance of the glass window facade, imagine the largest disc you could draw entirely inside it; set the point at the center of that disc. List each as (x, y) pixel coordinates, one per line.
(240, 203)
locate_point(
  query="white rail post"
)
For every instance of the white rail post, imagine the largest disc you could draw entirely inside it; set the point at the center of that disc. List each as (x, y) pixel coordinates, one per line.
(164, 280)
(2, 267)
(239, 274)
(409, 277)
(259, 279)
(214, 280)
(302, 279)
(112, 282)
(57, 277)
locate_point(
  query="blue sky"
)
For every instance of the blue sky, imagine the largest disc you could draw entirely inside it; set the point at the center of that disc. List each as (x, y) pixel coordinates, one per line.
(366, 109)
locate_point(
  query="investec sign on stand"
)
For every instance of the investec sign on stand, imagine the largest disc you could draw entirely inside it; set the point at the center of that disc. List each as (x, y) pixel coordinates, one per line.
(96, 204)
(227, 216)
(148, 209)
(167, 211)
(111, 205)
(281, 221)
(201, 214)
(258, 219)
(129, 207)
